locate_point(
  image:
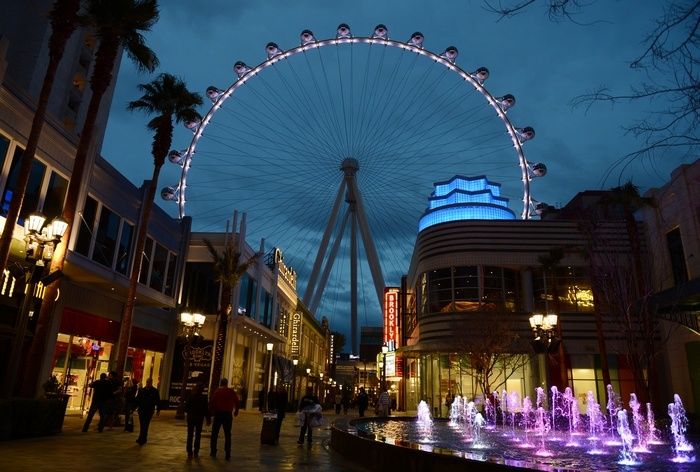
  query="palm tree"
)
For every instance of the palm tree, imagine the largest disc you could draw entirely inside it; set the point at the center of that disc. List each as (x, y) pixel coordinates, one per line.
(118, 24)
(168, 98)
(64, 20)
(228, 269)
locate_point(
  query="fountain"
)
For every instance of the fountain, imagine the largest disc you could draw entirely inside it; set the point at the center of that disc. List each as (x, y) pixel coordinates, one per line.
(544, 438)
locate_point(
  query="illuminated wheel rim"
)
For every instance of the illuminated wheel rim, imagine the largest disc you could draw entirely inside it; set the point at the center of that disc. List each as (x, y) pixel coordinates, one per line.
(423, 119)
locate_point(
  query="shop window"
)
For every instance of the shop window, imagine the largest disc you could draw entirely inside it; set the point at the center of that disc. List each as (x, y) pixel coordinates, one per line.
(87, 223)
(146, 261)
(122, 264)
(247, 298)
(55, 196)
(267, 309)
(160, 259)
(106, 237)
(33, 191)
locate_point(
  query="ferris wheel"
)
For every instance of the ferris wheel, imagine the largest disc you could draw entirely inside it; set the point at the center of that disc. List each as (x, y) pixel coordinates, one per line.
(281, 139)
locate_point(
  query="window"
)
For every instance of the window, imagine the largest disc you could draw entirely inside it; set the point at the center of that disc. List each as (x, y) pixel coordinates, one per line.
(124, 248)
(440, 290)
(106, 238)
(170, 279)
(146, 261)
(674, 242)
(4, 146)
(87, 223)
(33, 191)
(160, 259)
(55, 196)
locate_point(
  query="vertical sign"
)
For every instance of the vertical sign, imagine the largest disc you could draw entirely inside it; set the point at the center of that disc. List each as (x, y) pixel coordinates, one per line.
(391, 309)
(296, 335)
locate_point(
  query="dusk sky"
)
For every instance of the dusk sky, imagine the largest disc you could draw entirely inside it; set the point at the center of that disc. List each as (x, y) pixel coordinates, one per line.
(544, 64)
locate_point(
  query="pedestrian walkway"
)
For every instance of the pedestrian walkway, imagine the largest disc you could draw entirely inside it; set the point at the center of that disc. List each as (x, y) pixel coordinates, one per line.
(73, 450)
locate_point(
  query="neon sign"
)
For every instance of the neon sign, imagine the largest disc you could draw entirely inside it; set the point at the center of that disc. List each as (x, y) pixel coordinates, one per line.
(391, 312)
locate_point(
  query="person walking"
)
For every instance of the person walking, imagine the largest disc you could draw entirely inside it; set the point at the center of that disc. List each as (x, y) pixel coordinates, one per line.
(101, 393)
(130, 390)
(223, 401)
(197, 409)
(338, 402)
(147, 402)
(307, 406)
(280, 406)
(362, 401)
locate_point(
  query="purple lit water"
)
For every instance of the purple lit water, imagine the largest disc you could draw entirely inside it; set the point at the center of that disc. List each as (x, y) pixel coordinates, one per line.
(556, 439)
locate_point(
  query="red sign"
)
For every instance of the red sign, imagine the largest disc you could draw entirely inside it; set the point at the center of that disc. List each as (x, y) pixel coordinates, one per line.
(391, 316)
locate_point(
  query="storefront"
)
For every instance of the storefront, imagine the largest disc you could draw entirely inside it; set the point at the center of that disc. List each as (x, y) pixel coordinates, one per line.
(85, 346)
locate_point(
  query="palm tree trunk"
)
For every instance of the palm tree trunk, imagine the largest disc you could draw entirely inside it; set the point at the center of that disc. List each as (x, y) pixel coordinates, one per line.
(220, 342)
(101, 79)
(128, 313)
(62, 30)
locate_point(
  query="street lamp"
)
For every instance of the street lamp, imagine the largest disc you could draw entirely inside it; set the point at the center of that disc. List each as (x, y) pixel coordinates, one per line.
(321, 389)
(191, 323)
(39, 244)
(269, 347)
(295, 362)
(544, 328)
(308, 376)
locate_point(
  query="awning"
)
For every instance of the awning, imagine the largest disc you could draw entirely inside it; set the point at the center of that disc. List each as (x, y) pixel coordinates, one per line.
(426, 347)
(254, 328)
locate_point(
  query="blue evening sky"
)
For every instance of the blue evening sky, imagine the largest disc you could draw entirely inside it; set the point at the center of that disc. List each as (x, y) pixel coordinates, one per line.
(544, 64)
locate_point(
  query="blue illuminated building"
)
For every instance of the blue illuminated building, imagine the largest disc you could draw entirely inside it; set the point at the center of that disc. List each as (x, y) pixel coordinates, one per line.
(465, 198)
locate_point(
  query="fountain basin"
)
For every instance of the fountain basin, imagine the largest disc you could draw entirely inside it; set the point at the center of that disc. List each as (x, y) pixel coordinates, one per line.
(402, 444)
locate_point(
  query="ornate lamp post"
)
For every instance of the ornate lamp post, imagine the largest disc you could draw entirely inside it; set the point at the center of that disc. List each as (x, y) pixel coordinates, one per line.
(308, 377)
(191, 323)
(269, 347)
(295, 362)
(321, 389)
(39, 244)
(544, 327)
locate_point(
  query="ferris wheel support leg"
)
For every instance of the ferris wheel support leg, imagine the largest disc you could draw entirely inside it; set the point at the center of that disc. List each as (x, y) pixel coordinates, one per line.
(372, 257)
(353, 280)
(314, 302)
(311, 286)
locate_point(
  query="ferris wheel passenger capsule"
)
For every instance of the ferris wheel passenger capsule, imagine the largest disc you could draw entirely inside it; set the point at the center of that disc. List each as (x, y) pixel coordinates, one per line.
(192, 125)
(214, 93)
(450, 54)
(380, 32)
(169, 194)
(525, 134)
(541, 208)
(241, 69)
(480, 75)
(538, 170)
(272, 50)
(416, 39)
(307, 37)
(177, 157)
(506, 101)
(343, 31)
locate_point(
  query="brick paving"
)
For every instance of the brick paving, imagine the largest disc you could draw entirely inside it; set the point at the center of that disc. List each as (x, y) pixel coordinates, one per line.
(73, 450)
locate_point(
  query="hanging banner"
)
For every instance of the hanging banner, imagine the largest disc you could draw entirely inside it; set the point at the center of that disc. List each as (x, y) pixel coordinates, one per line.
(391, 317)
(296, 335)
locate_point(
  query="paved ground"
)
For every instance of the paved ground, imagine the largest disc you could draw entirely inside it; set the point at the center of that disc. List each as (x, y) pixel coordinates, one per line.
(73, 450)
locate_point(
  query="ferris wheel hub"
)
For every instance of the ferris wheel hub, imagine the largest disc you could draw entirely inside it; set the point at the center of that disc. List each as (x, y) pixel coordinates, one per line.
(350, 166)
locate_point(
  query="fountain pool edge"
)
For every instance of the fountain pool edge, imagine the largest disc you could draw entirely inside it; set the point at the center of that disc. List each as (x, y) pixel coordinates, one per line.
(381, 454)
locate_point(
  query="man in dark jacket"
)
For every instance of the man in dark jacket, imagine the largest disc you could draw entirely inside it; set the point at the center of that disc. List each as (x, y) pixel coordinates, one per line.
(197, 409)
(306, 405)
(147, 401)
(101, 393)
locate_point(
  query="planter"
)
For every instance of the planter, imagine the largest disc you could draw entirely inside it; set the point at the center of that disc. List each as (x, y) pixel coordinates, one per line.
(27, 417)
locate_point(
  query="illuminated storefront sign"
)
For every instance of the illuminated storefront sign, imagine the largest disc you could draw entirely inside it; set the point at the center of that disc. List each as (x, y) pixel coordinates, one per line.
(391, 312)
(296, 335)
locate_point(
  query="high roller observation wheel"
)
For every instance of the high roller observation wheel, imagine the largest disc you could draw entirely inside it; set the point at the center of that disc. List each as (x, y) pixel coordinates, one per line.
(424, 120)
(379, 37)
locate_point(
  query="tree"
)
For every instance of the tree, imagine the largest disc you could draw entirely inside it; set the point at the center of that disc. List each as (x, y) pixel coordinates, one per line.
(489, 348)
(64, 20)
(671, 83)
(117, 24)
(338, 342)
(168, 98)
(228, 270)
